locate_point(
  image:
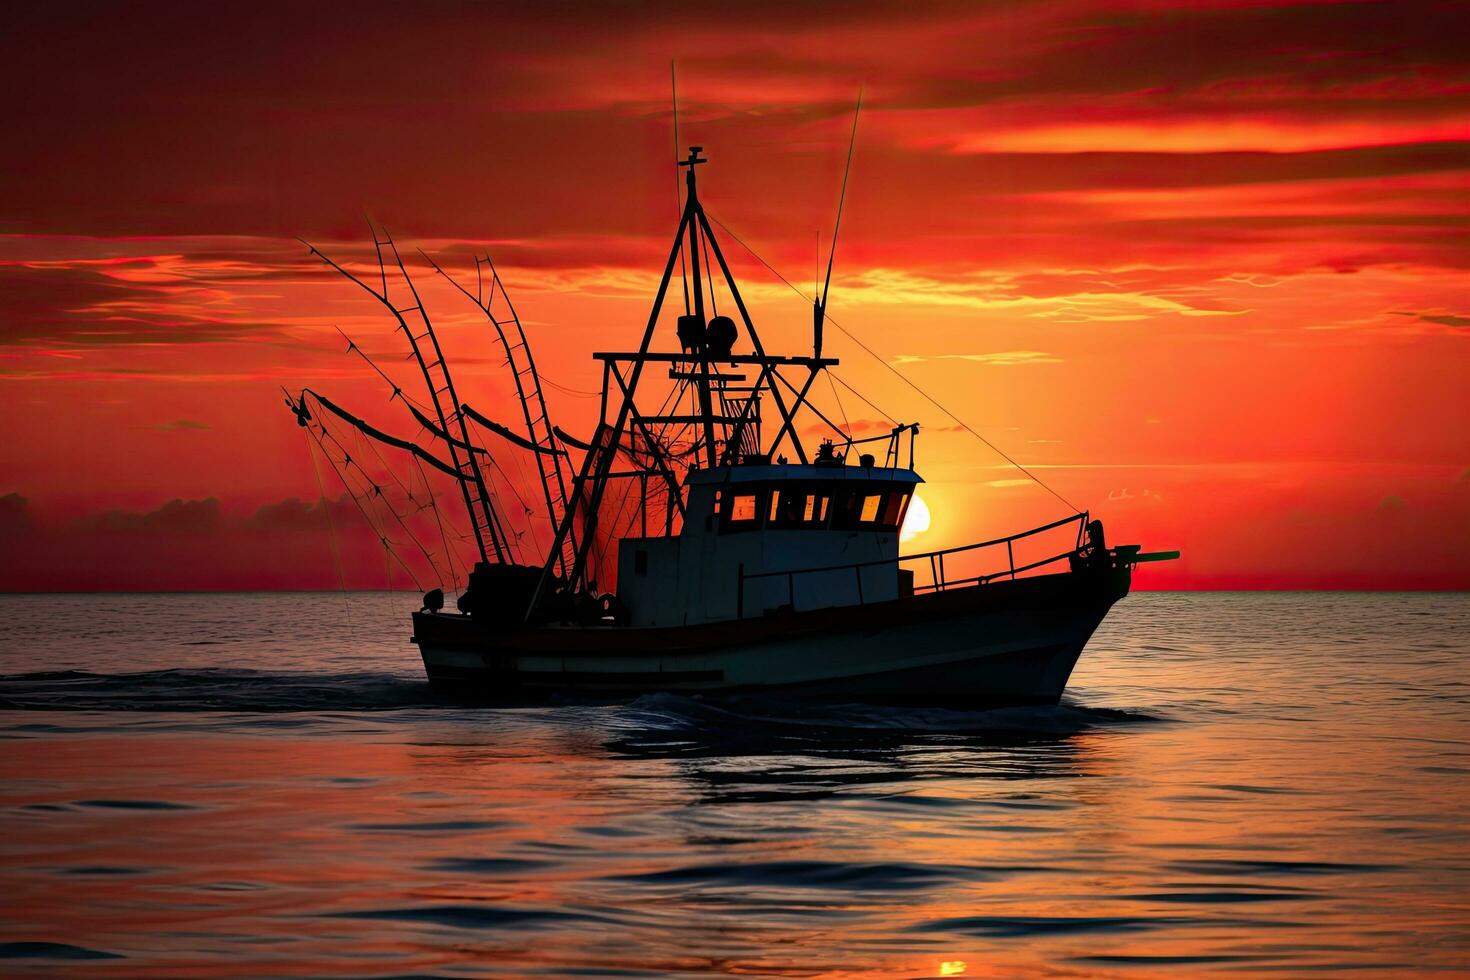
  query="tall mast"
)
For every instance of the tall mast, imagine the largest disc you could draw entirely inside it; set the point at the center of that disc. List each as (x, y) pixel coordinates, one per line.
(622, 419)
(599, 459)
(702, 381)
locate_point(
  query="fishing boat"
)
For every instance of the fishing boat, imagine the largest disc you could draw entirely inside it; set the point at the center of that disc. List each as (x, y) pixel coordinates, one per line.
(699, 543)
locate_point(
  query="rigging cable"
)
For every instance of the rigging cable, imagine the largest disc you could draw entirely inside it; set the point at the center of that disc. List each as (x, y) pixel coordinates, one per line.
(398, 392)
(363, 510)
(678, 191)
(861, 396)
(377, 491)
(331, 527)
(575, 392)
(388, 505)
(899, 374)
(427, 424)
(838, 398)
(709, 277)
(438, 519)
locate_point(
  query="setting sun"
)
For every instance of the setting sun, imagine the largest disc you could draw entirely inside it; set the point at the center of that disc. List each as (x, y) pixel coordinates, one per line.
(916, 521)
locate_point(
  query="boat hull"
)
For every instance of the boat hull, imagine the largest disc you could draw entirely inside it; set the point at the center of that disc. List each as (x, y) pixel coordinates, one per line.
(1012, 642)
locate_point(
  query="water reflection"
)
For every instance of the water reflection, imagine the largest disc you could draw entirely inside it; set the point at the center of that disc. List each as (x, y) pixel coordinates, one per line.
(1261, 800)
(756, 751)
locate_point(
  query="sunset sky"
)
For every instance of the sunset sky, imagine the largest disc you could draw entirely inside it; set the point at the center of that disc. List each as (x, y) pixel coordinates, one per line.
(1201, 266)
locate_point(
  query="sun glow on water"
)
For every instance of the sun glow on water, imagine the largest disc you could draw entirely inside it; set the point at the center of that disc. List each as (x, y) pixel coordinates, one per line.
(916, 521)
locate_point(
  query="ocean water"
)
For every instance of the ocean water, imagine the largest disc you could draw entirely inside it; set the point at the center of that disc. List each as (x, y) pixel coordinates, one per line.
(262, 785)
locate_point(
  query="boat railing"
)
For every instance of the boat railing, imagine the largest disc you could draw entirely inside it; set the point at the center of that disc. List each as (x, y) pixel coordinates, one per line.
(939, 580)
(893, 441)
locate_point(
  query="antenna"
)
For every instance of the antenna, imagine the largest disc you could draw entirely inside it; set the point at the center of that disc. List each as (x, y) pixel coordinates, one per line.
(819, 306)
(678, 193)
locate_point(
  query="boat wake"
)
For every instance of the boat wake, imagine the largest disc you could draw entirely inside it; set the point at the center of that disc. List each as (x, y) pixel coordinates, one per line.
(795, 717)
(212, 689)
(660, 716)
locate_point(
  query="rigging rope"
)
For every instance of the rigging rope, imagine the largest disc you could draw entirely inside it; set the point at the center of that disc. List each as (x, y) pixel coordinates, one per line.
(838, 398)
(331, 527)
(398, 392)
(351, 493)
(897, 373)
(438, 519)
(363, 427)
(575, 392)
(320, 433)
(861, 396)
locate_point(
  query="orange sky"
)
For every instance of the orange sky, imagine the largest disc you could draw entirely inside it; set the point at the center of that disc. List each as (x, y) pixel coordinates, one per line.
(1202, 266)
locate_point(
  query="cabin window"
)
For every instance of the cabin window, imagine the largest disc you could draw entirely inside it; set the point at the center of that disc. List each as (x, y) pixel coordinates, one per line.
(739, 511)
(810, 506)
(893, 507)
(844, 509)
(798, 508)
(742, 509)
(856, 509)
(789, 510)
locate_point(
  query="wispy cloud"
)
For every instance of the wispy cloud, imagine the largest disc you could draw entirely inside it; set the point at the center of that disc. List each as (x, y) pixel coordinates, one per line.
(1442, 319)
(1009, 358)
